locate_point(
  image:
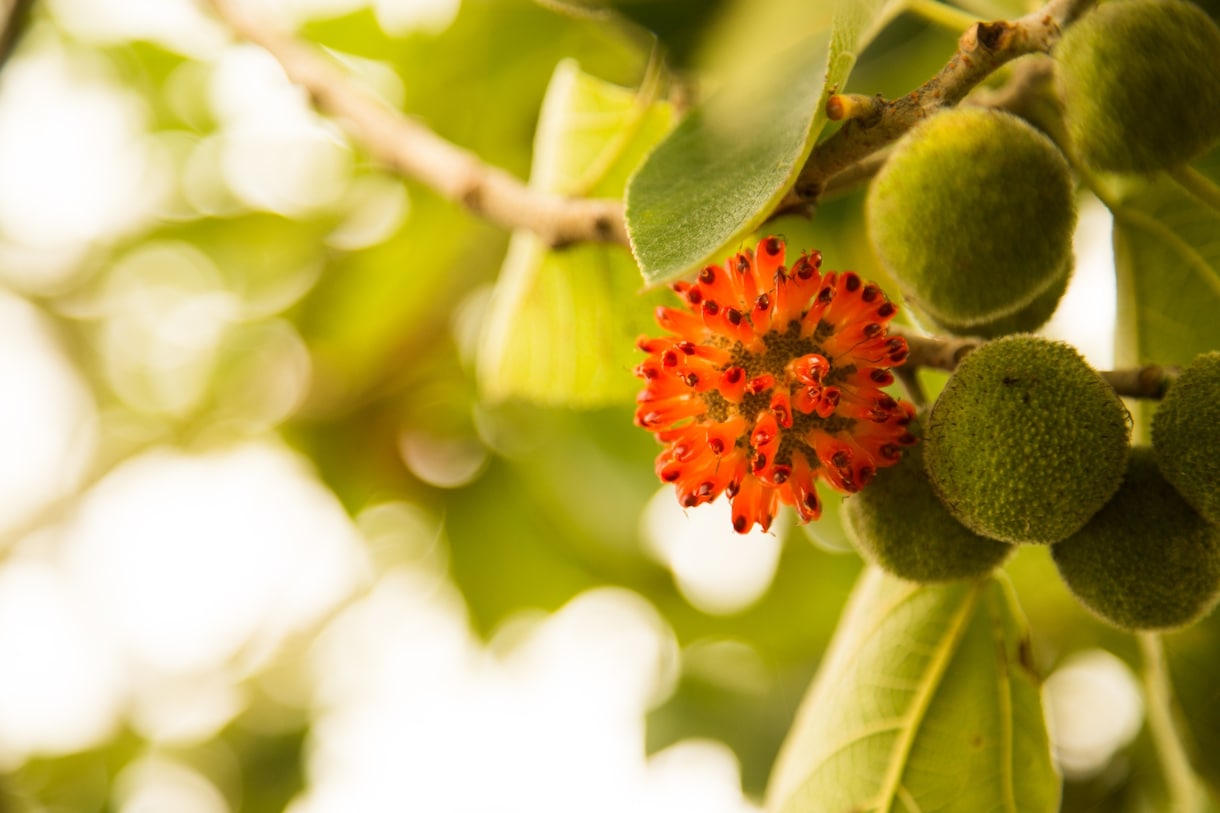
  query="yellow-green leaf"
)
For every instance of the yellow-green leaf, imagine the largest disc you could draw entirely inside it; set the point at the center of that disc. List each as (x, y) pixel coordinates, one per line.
(925, 701)
(1167, 253)
(562, 323)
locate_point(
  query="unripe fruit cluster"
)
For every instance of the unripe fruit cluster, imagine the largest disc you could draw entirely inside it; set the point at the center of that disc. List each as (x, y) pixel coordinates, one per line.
(1140, 82)
(1028, 444)
(1150, 559)
(1026, 441)
(974, 251)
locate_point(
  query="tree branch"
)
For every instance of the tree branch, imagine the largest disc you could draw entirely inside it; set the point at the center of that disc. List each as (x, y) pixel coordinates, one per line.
(945, 353)
(416, 152)
(873, 123)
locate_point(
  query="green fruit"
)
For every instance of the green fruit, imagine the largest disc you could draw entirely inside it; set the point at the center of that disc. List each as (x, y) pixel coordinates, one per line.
(1026, 441)
(1028, 319)
(898, 524)
(1147, 560)
(1140, 81)
(973, 214)
(1186, 435)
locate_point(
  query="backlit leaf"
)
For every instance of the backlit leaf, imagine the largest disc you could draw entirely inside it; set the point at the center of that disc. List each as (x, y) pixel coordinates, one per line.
(563, 323)
(924, 701)
(1167, 253)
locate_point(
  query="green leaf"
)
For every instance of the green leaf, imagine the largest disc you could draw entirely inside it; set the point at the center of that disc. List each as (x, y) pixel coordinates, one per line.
(1167, 256)
(562, 324)
(678, 24)
(923, 702)
(724, 169)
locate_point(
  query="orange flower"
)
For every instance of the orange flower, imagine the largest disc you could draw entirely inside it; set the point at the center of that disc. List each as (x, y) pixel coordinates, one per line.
(771, 378)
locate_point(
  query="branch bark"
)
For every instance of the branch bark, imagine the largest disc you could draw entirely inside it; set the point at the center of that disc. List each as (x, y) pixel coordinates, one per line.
(874, 123)
(414, 151)
(946, 352)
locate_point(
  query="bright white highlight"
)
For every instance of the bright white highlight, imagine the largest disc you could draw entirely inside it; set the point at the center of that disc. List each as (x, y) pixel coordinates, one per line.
(399, 17)
(179, 25)
(60, 685)
(72, 171)
(1086, 313)
(193, 559)
(415, 715)
(275, 152)
(48, 422)
(717, 569)
(1094, 709)
(159, 785)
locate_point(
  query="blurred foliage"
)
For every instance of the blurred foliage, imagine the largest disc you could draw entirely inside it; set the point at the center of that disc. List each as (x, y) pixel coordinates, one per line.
(550, 505)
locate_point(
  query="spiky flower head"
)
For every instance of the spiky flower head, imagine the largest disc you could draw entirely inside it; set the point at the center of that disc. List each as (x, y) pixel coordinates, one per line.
(770, 379)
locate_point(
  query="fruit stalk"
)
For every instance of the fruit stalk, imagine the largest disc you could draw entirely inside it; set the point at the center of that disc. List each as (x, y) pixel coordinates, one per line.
(946, 352)
(1180, 781)
(415, 151)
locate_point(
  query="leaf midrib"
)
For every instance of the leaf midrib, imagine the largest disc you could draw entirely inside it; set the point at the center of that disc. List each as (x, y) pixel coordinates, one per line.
(943, 655)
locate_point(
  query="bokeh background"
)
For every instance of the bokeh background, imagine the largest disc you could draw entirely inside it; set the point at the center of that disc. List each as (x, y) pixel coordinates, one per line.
(264, 546)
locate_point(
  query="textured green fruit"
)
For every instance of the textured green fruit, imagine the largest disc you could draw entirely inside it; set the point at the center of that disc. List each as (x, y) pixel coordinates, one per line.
(1186, 435)
(898, 524)
(1140, 81)
(1146, 560)
(1028, 319)
(1026, 441)
(973, 214)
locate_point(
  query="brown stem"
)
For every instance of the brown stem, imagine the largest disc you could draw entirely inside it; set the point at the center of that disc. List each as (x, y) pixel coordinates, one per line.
(416, 152)
(945, 353)
(982, 49)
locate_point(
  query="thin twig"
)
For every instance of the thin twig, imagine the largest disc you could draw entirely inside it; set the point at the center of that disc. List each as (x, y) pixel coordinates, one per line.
(937, 352)
(416, 152)
(1149, 381)
(982, 49)
(946, 353)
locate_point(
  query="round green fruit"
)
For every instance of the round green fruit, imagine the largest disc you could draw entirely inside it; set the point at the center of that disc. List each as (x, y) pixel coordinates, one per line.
(898, 524)
(1026, 441)
(973, 214)
(1028, 319)
(1186, 435)
(1140, 81)
(1146, 560)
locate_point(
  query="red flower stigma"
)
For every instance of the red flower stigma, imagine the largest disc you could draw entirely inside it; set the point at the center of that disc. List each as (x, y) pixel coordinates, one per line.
(770, 380)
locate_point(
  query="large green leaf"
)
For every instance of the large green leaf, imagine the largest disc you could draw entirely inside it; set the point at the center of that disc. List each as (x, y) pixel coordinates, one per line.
(562, 322)
(1167, 254)
(724, 169)
(923, 702)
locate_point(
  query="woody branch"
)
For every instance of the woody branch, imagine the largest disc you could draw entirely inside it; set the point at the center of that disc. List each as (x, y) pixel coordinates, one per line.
(414, 151)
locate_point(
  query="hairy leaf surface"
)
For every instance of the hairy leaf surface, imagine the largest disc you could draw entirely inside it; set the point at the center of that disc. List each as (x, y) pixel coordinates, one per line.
(724, 169)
